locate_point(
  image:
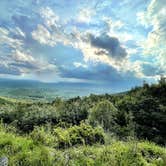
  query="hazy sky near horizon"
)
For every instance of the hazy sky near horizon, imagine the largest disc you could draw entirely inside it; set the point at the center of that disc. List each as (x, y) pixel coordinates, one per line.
(97, 41)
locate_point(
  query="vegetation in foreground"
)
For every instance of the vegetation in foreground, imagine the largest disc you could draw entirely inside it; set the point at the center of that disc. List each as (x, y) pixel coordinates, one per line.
(96, 130)
(23, 150)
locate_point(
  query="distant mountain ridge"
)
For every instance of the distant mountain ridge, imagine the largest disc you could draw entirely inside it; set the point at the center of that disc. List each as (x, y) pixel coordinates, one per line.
(5, 82)
(25, 89)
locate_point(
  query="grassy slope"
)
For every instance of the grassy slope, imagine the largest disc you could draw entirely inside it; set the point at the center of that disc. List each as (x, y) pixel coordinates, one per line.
(23, 151)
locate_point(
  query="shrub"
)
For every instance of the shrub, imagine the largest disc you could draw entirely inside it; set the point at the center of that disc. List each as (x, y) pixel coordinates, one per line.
(78, 135)
(42, 135)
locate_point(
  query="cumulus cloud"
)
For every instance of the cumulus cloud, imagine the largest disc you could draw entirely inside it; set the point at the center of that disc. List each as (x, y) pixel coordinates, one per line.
(115, 28)
(108, 45)
(19, 56)
(20, 63)
(95, 48)
(107, 50)
(103, 41)
(50, 18)
(15, 60)
(27, 63)
(42, 35)
(154, 45)
(53, 30)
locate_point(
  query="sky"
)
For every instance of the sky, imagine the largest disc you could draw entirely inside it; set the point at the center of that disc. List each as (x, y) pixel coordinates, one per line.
(99, 41)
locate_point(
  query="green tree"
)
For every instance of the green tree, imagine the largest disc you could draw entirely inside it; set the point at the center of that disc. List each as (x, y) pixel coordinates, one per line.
(104, 114)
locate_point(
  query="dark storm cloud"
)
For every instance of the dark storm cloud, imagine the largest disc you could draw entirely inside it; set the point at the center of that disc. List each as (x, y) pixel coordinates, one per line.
(109, 45)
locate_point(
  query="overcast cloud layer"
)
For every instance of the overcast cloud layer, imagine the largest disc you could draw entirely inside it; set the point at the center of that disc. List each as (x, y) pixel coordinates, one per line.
(97, 41)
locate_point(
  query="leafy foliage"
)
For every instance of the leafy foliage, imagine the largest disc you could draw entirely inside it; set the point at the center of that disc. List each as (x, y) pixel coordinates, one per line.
(59, 137)
(24, 151)
(104, 113)
(76, 131)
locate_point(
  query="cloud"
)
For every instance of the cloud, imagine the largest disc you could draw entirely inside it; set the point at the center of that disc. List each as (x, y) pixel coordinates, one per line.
(113, 25)
(42, 35)
(54, 32)
(108, 45)
(78, 64)
(15, 60)
(51, 31)
(102, 48)
(85, 15)
(95, 72)
(26, 63)
(16, 56)
(107, 50)
(17, 33)
(7, 69)
(6, 39)
(50, 18)
(154, 18)
(19, 56)
(151, 70)
(102, 74)
(83, 41)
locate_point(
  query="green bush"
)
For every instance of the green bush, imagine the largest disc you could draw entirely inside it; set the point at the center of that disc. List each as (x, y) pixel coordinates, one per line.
(59, 137)
(42, 135)
(78, 135)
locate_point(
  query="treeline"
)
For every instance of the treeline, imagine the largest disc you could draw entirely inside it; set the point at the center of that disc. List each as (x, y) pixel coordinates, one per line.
(139, 114)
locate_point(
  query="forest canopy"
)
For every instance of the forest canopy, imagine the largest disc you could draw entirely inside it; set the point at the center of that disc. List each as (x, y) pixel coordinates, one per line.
(103, 120)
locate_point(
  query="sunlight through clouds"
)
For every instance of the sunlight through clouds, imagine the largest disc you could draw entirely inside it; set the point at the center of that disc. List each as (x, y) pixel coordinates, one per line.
(61, 36)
